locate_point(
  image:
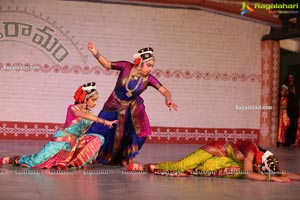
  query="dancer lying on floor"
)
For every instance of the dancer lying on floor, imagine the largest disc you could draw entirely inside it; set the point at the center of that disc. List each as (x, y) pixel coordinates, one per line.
(241, 159)
(69, 146)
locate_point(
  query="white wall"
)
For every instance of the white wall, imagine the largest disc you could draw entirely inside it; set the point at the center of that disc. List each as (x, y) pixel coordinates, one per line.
(207, 50)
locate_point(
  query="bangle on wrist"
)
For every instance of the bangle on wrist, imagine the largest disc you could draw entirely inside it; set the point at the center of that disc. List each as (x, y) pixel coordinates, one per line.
(168, 102)
(97, 55)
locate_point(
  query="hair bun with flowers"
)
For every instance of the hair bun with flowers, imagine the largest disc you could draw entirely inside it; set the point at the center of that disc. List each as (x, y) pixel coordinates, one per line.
(143, 55)
(84, 92)
(89, 87)
(267, 162)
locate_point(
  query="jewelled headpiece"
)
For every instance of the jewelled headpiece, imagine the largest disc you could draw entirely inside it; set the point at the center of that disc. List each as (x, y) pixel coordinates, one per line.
(84, 92)
(144, 55)
(266, 161)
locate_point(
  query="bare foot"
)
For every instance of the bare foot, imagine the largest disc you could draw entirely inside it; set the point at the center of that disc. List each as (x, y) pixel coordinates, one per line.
(4, 160)
(151, 167)
(127, 162)
(134, 167)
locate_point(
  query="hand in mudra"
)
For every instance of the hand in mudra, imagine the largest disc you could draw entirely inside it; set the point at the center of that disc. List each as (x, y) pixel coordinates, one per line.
(92, 48)
(110, 123)
(172, 105)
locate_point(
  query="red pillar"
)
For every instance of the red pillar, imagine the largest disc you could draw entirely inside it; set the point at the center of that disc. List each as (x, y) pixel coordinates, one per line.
(269, 92)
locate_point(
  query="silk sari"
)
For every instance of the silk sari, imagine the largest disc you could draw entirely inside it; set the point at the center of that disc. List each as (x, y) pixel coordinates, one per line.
(69, 146)
(124, 141)
(221, 159)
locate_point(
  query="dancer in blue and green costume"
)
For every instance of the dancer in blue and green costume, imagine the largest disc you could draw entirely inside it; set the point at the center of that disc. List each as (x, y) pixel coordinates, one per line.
(69, 147)
(123, 142)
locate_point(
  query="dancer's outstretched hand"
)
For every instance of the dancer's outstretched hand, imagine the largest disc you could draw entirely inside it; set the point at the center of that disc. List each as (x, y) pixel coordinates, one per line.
(110, 123)
(172, 105)
(92, 48)
(281, 179)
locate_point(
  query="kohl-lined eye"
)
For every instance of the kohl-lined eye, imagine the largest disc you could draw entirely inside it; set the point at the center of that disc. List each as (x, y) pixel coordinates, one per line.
(149, 65)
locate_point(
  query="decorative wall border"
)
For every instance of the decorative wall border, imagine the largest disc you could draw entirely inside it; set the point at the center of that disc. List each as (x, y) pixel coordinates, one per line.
(162, 135)
(180, 135)
(97, 70)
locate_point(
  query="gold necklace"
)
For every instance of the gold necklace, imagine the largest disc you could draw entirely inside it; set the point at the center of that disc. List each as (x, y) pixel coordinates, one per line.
(130, 91)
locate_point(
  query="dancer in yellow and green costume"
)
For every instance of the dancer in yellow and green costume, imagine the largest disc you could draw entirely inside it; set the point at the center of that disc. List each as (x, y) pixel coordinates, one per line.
(240, 159)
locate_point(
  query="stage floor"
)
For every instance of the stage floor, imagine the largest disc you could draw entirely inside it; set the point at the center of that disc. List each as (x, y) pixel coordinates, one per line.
(112, 182)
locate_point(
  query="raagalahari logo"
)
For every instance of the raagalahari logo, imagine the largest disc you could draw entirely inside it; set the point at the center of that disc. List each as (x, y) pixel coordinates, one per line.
(246, 8)
(275, 8)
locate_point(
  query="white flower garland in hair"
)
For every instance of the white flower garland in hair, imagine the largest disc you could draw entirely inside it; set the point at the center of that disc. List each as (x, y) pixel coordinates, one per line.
(266, 155)
(88, 88)
(264, 165)
(136, 55)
